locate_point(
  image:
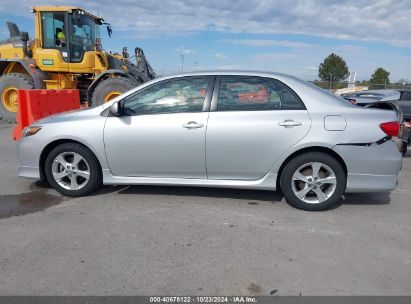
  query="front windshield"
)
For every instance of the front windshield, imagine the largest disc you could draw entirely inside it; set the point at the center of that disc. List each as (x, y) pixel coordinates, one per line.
(83, 33)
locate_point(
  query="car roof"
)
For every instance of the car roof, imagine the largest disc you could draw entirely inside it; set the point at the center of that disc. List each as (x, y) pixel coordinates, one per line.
(231, 72)
(278, 76)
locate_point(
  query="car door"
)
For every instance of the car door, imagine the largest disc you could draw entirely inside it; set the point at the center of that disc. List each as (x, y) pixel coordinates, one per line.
(253, 121)
(162, 131)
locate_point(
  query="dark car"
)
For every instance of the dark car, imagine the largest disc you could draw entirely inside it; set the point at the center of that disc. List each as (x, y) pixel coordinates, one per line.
(405, 104)
(365, 98)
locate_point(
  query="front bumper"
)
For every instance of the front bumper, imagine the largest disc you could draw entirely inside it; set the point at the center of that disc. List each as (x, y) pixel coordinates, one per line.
(28, 154)
(28, 172)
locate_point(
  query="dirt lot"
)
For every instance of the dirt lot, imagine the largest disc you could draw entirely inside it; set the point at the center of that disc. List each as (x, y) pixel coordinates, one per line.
(193, 241)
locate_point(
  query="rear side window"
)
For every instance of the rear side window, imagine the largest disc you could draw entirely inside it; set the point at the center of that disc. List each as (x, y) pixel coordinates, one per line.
(238, 93)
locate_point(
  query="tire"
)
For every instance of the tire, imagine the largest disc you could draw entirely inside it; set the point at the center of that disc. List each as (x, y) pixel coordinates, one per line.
(111, 87)
(317, 192)
(8, 83)
(69, 154)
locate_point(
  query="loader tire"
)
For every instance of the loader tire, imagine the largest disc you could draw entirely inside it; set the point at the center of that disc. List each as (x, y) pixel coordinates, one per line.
(110, 88)
(9, 84)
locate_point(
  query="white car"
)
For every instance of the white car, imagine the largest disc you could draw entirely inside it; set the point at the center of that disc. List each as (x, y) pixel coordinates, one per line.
(249, 130)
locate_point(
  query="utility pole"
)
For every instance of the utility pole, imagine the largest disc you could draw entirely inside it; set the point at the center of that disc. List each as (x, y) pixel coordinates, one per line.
(351, 82)
(182, 63)
(331, 79)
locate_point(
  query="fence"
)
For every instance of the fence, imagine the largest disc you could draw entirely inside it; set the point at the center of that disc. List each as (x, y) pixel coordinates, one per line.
(371, 86)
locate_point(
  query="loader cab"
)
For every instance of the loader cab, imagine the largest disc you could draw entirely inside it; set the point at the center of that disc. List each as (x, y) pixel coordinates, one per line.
(84, 32)
(69, 39)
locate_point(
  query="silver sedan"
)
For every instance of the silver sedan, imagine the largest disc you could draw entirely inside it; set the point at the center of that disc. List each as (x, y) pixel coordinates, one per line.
(248, 130)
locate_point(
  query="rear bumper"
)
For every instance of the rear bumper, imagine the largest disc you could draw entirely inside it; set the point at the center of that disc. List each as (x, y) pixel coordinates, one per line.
(371, 168)
(371, 183)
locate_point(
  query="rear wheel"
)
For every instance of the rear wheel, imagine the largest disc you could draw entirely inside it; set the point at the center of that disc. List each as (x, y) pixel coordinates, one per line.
(73, 170)
(9, 84)
(313, 181)
(110, 88)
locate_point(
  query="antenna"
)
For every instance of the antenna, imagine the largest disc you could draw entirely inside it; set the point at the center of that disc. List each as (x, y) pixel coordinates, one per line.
(182, 63)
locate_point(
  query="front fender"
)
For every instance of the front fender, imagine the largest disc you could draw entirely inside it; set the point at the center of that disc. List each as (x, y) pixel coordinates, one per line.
(29, 65)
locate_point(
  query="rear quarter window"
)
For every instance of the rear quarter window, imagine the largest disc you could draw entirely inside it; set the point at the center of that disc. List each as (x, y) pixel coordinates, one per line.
(241, 93)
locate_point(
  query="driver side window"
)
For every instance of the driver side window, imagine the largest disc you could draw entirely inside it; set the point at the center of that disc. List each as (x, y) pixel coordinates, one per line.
(174, 96)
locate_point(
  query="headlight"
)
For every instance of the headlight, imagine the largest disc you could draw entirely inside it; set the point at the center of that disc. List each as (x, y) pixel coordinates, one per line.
(29, 131)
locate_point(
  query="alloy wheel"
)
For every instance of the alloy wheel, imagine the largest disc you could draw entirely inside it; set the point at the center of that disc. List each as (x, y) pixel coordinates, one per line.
(314, 182)
(70, 170)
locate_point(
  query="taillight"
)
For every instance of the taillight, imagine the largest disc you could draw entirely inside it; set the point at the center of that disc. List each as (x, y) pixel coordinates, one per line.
(391, 128)
(353, 101)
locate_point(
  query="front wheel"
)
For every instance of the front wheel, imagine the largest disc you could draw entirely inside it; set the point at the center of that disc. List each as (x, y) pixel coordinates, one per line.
(313, 181)
(9, 85)
(73, 170)
(110, 88)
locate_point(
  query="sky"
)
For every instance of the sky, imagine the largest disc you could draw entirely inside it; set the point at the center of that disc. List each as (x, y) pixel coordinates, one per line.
(287, 36)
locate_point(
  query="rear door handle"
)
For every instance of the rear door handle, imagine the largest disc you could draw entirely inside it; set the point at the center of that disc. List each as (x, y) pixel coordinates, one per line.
(288, 123)
(192, 125)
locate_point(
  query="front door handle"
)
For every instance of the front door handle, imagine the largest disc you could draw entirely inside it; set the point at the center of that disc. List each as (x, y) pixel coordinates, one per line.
(288, 123)
(192, 125)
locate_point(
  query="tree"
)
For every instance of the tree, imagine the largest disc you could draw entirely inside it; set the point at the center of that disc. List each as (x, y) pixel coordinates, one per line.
(333, 69)
(380, 78)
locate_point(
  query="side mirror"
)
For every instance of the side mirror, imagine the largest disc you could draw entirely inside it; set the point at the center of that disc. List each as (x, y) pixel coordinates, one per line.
(117, 108)
(24, 36)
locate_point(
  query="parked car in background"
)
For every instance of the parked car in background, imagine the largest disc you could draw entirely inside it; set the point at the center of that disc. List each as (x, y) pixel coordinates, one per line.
(404, 101)
(364, 98)
(400, 97)
(246, 130)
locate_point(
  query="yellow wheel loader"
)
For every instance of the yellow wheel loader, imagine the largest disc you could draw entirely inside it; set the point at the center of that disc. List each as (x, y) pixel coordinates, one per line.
(66, 53)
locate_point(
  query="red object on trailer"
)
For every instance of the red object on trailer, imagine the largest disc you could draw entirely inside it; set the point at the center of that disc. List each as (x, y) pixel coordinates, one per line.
(36, 104)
